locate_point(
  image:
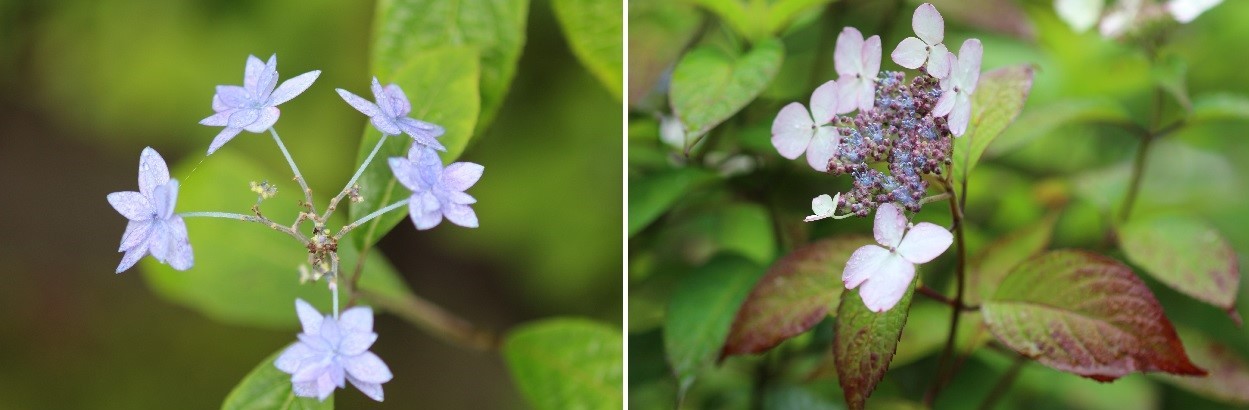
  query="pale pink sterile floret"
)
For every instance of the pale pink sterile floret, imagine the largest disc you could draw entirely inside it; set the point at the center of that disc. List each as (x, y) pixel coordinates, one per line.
(956, 90)
(795, 130)
(857, 62)
(913, 52)
(884, 273)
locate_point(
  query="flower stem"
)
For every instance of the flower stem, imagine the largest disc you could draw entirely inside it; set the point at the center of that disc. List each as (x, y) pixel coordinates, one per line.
(434, 319)
(367, 160)
(369, 217)
(298, 177)
(1138, 164)
(943, 374)
(937, 296)
(248, 218)
(934, 198)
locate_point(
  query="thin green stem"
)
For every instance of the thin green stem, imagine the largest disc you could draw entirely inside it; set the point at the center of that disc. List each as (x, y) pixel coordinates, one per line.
(435, 319)
(944, 373)
(298, 177)
(346, 188)
(248, 218)
(937, 296)
(1138, 163)
(369, 217)
(934, 198)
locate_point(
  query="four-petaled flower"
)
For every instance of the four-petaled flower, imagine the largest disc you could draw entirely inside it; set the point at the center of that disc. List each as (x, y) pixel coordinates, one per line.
(795, 130)
(912, 52)
(885, 272)
(390, 114)
(956, 89)
(253, 107)
(153, 227)
(857, 62)
(437, 192)
(331, 352)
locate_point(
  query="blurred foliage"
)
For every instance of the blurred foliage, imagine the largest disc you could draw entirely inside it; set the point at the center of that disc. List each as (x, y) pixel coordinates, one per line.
(1057, 175)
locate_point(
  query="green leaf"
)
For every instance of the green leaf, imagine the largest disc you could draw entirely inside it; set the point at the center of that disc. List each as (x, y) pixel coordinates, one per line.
(999, 97)
(659, 30)
(1086, 314)
(783, 12)
(1176, 175)
(700, 313)
(990, 266)
(1037, 122)
(1219, 107)
(652, 195)
(864, 343)
(246, 273)
(442, 84)
(742, 228)
(1186, 254)
(1169, 74)
(709, 86)
(593, 29)
(1228, 381)
(567, 363)
(737, 16)
(267, 388)
(793, 296)
(406, 30)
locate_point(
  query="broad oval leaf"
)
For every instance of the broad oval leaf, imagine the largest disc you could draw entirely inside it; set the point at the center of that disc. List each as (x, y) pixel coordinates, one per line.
(735, 14)
(709, 86)
(651, 195)
(999, 97)
(743, 228)
(864, 343)
(246, 273)
(701, 312)
(593, 29)
(267, 388)
(1219, 107)
(990, 266)
(1186, 254)
(1228, 381)
(1037, 122)
(405, 30)
(793, 296)
(442, 86)
(567, 363)
(1086, 314)
(1178, 176)
(658, 31)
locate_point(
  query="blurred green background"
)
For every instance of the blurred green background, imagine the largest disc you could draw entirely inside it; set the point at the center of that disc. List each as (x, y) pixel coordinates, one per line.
(85, 85)
(756, 211)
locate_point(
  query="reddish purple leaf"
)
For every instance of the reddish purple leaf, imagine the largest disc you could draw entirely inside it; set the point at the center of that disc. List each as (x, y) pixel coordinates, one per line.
(793, 296)
(1086, 314)
(1186, 254)
(864, 343)
(1229, 372)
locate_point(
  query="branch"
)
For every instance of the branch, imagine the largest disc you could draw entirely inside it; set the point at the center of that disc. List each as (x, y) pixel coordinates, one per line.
(433, 318)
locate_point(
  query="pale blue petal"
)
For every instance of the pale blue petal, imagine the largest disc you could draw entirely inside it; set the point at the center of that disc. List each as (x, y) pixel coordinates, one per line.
(136, 233)
(309, 317)
(431, 129)
(164, 198)
(268, 116)
(398, 101)
(405, 173)
(243, 117)
(373, 390)
(152, 171)
(422, 135)
(268, 80)
(251, 73)
(315, 342)
(460, 198)
(461, 215)
(219, 105)
(222, 138)
(132, 205)
(380, 96)
(386, 125)
(132, 256)
(330, 331)
(291, 358)
(233, 96)
(180, 255)
(220, 119)
(160, 243)
(304, 389)
(360, 104)
(358, 319)
(292, 87)
(337, 375)
(424, 210)
(325, 386)
(367, 367)
(461, 175)
(356, 343)
(312, 370)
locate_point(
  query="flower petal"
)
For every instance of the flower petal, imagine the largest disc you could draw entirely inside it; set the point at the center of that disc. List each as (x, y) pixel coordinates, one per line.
(268, 79)
(399, 105)
(867, 94)
(405, 173)
(220, 119)
(848, 54)
(132, 205)
(358, 319)
(373, 390)
(291, 358)
(461, 175)
(365, 107)
(824, 103)
(226, 134)
(460, 214)
(132, 256)
(1185, 11)
(889, 226)
(871, 58)
(379, 95)
(910, 53)
(232, 96)
(309, 317)
(164, 198)
(792, 130)
(823, 147)
(924, 242)
(180, 255)
(960, 115)
(292, 87)
(356, 343)
(848, 94)
(969, 57)
(425, 211)
(159, 243)
(136, 233)
(268, 116)
(152, 170)
(945, 104)
(243, 117)
(938, 62)
(367, 367)
(386, 125)
(1079, 14)
(928, 24)
(251, 72)
(460, 198)
(422, 132)
(883, 291)
(863, 264)
(822, 207)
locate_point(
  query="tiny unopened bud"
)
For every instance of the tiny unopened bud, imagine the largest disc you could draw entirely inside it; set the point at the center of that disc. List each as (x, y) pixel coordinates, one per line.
(264, 189)
(353, 193)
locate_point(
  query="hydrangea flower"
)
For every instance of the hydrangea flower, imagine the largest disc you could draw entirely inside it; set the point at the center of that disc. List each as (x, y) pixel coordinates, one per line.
(823, 207)
(390, 114)
(795, 130)
(154, 228)
(331, 352)
(885, 272)
(857, 62)
(1185, 11)
(437, 192)
(956, 89)
(913, 52)
(253, 107)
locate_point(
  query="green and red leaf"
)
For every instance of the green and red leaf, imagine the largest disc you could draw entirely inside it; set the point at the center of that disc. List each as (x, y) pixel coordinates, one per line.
(864, 343)
(1186, 254)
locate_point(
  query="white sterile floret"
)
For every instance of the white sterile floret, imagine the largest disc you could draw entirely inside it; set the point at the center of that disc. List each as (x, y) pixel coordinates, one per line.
(885, 272)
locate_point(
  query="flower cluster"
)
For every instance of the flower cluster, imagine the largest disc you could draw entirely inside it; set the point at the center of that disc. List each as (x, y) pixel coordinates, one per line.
(333, 349)
(1125, 17)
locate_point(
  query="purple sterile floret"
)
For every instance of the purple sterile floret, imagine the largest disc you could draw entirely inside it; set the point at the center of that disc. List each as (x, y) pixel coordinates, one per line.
(154, 228)
(331, 352)
(390, 114)
(437, 192)
(253, 107)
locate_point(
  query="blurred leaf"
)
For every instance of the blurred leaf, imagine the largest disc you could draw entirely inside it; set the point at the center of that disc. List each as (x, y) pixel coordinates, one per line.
(593, 30)
(793, 296)
(990, 265)
(743, 228)
(405, 30)
(999, 97)
(267, 388)
(1086, 314)
(658, 31)
(1176, 175)
(709, 86)
(789, 397)
(735, 14)
(652, 195)
(701, 312)
(567, 363)
(1188, 255)
(1069, 391)
(442, 85)
(1219, 107)
(246, 273)
(1170, 75)
(864, 343)
(1228, 381)
(928, 325)
(1037, 122)
(783, 12)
